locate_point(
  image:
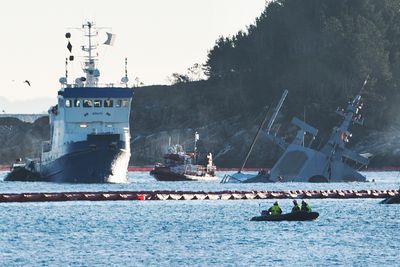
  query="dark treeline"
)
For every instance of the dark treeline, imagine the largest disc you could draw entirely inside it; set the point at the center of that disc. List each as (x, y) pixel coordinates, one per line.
(321, 51)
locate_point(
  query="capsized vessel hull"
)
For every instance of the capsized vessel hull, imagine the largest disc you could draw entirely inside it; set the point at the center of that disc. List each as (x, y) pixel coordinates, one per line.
(303, 162)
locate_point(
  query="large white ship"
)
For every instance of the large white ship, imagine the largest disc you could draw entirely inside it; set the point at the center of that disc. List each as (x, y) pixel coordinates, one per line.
(89, 127)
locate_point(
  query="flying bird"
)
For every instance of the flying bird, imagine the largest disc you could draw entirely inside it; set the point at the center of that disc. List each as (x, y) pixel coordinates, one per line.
(28, 82)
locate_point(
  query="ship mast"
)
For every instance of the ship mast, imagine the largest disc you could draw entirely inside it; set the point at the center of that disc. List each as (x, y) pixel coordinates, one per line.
(335, 147)
(351, 115)
(92, 73)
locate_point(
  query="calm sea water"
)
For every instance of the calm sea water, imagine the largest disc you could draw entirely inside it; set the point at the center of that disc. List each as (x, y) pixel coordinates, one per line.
(355, 232)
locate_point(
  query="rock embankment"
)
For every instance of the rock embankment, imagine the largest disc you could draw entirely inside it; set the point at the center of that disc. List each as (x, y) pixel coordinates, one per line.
(227, 139)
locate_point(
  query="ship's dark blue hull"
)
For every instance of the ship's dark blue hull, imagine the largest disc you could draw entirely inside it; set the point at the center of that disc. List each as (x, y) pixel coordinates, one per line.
(100, 159)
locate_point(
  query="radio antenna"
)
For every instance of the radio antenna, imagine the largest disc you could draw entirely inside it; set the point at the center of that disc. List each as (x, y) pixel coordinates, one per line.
(125, 78)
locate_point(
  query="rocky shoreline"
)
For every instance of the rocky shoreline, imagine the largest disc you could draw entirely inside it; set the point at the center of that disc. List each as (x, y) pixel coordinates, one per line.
(227, 139)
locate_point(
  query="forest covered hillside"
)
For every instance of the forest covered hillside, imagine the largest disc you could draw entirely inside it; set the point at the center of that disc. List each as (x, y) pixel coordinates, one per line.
(320, 50)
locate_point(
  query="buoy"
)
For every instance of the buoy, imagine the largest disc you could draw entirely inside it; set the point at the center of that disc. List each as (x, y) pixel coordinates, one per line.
(140, 197)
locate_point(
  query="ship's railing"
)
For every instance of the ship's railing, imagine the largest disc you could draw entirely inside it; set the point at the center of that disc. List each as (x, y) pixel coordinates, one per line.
(99, 85)
(199, 170)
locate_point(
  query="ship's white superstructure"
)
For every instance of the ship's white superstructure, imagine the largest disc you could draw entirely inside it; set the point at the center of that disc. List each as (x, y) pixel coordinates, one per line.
(89, 126)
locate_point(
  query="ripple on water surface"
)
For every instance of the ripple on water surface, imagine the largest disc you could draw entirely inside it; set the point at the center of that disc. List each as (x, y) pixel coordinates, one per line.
(348, 232)
(143, 181)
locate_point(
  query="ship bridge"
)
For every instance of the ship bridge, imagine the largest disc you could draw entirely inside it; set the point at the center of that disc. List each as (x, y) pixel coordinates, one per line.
(85, 110)
(96, 104)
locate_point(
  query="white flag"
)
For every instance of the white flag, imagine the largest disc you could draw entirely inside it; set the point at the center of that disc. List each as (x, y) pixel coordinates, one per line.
(110, 39)
(196, 136)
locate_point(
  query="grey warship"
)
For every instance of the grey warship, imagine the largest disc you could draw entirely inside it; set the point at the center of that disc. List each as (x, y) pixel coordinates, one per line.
(301, 163)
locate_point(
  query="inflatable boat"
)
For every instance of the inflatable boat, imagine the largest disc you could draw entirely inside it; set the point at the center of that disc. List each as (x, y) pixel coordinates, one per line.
(293, 216)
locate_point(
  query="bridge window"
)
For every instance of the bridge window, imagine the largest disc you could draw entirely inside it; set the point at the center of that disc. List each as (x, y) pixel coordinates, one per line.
(97, 103)
(68, 103)
(125, 103)
(122, 103)
(108, 103)
(77, 103)
(118, 104)
(87, 103)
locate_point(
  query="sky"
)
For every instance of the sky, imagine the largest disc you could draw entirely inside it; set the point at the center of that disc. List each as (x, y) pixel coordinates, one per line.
(158, 37)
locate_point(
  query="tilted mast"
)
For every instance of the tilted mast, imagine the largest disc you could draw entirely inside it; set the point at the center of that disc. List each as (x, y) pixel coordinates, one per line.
(340, 135)
(270, 123)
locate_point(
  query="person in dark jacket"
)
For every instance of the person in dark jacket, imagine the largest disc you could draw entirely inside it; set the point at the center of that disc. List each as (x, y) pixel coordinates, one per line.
(305, 207)
(275, 209)
(296, 206)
